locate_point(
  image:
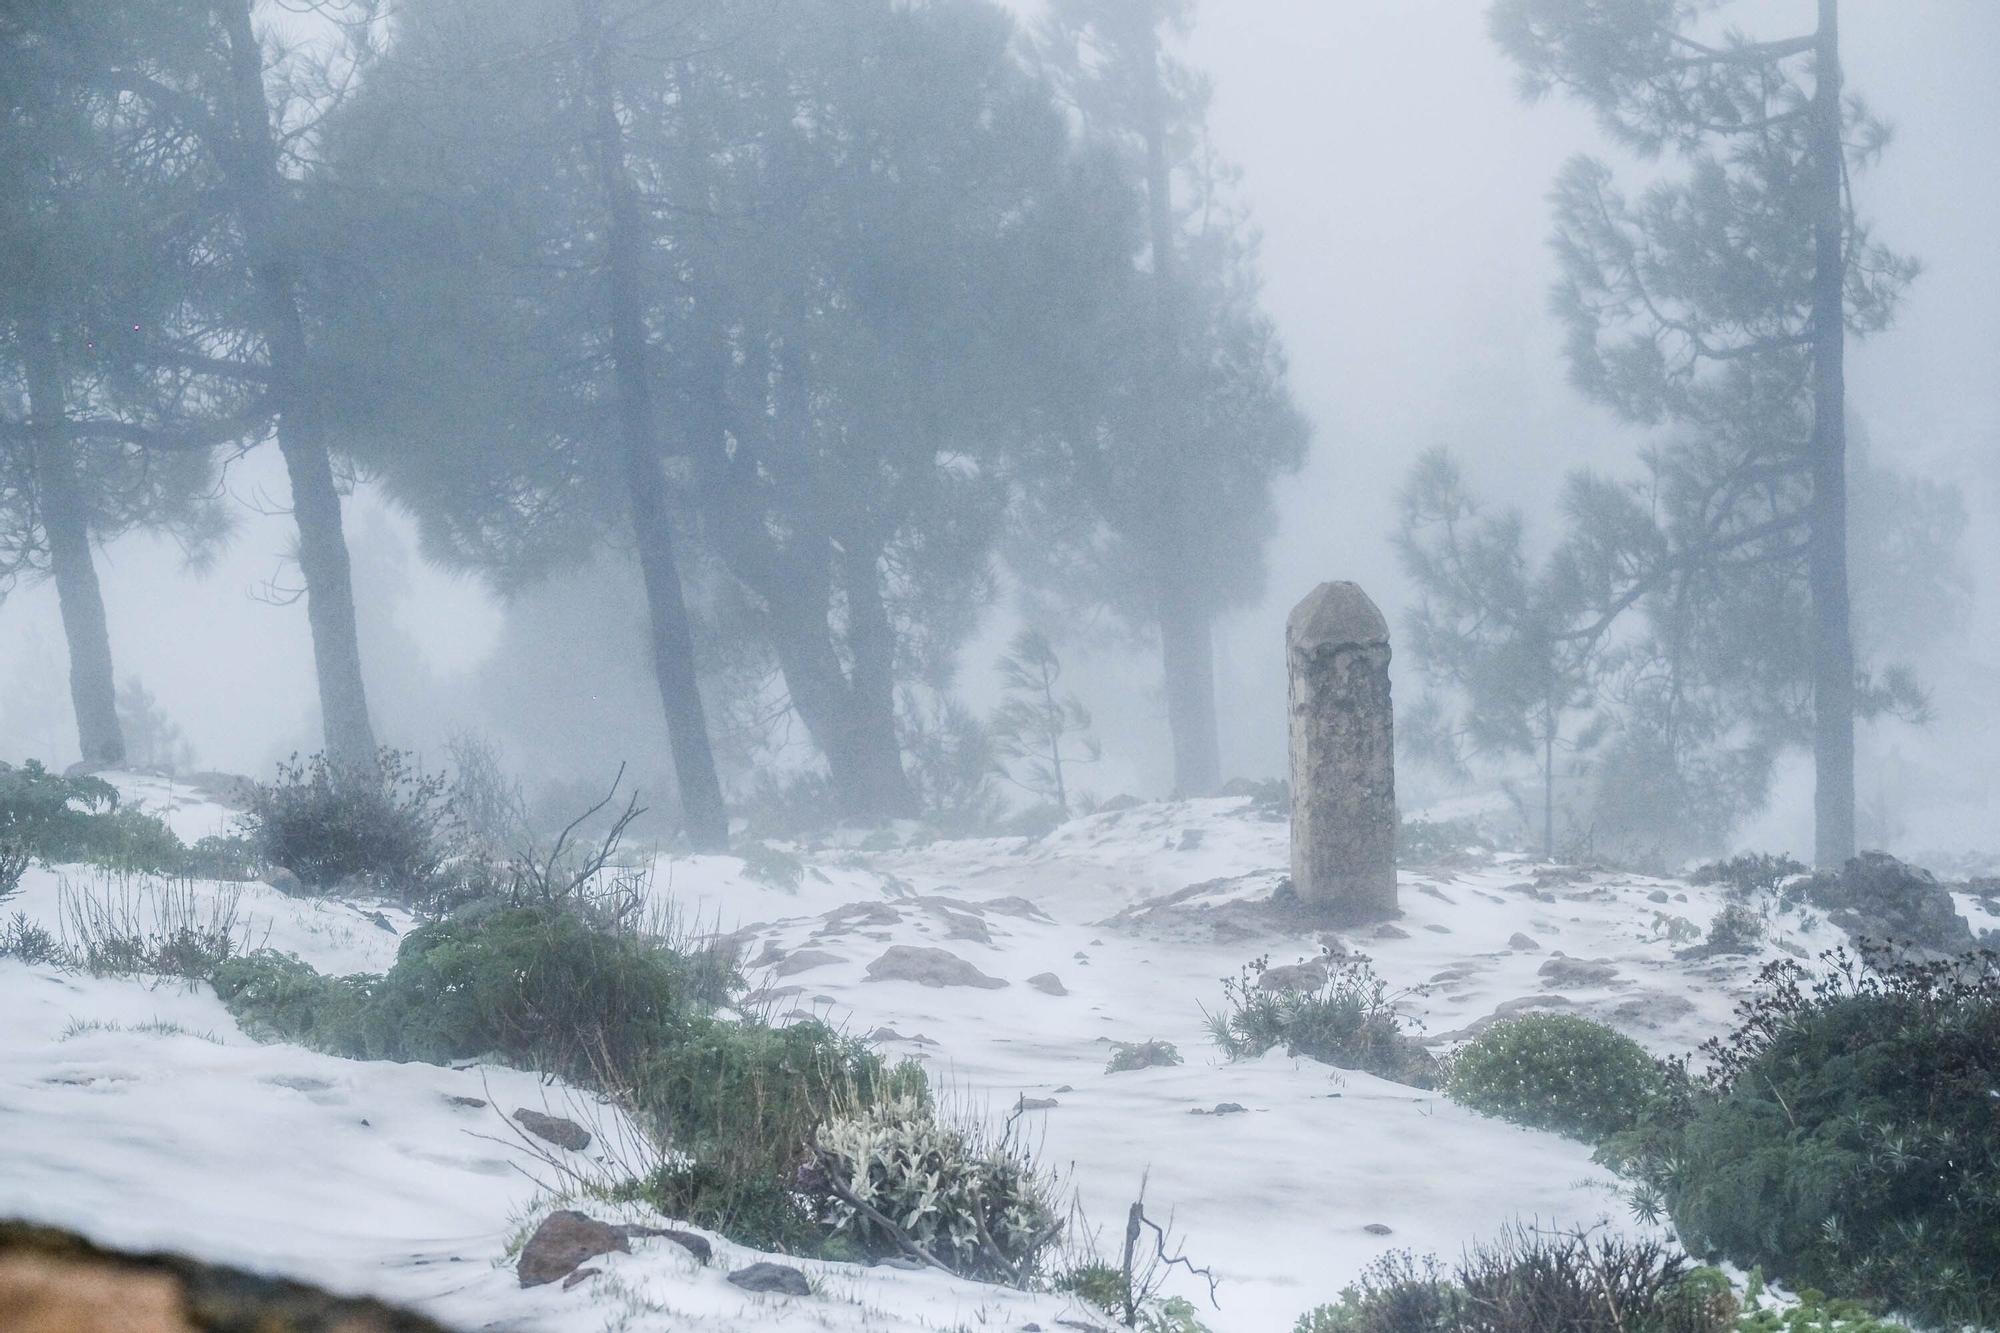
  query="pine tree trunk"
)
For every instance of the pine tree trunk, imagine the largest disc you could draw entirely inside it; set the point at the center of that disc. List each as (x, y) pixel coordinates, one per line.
(640, 457)
(323, 561)
(1187, 648)
(1833, 644)
(93, 688)
(871, 640)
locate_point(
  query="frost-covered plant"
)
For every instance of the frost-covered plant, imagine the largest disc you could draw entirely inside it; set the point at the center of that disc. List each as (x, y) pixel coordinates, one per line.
(151, 927)
(772, 865)
(895, 1175)
(1556, 1072)
(1127, 1056)
(1349, 1021)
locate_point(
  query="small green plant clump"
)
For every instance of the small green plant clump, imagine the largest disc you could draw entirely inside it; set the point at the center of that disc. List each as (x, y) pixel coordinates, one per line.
(897, 1178)
(1845, 1137)
(1557, 1072)
(1533, 1282)
(1736, 929)
(1349, 1021)
(388, 826)
(1750, 874)
(1440, 842)
(1127, 1056)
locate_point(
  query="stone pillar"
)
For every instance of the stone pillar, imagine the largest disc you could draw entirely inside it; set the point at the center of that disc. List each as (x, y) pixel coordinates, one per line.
(1343, 756)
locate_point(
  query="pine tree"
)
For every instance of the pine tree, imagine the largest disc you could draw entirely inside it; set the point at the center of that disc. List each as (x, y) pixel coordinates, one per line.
(1722, 300)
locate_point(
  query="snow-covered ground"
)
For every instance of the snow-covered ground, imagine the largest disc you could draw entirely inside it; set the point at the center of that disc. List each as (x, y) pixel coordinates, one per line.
(141, 1115)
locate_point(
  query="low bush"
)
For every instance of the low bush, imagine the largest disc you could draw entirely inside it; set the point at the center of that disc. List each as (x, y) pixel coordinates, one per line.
(14, 858)
(1127, 1056)
(895, 1176)
(222, 856)
(542, 987)
(57, 818)
(22, 939)
(1750, 874)
(389, 827)
(1845, 1137)
(1440, 842)
(1557, 1072)
(1349, 1021)
(1533, 1282)
(1736, 929)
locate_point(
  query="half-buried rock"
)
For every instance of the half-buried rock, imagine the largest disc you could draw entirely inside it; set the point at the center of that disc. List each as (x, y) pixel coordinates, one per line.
(929, 967)
(772, 1279)
(554, 1129)
(563, 1243)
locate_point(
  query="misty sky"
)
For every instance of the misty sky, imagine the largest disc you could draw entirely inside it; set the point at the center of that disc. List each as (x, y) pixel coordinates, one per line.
(1400, 185)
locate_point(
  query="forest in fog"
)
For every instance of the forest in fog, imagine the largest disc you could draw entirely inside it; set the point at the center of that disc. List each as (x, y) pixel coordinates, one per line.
(905, 666)
(795, 393)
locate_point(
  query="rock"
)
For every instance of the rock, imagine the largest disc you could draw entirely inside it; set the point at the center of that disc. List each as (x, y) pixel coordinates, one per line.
(1876, 897)
(1436, 929)
(1027, 1103)
(1515, 1006)
(1377, 1229)
(562, 1132)
(563, 1243)
(697, 1246)
(929, 967)
(1122, 801)
(1222, 1108)
(284, 881)
(805, 960)
(55, 1281)
(1387, 932)
(1562, 970)
(1048, 983)
(1658, 896)
(1015, 906)
(578, 1276)
(1307, 976)
(1343, 775)
(469, 1103)
(1523, 943)
(772, 1279)
(885, 1034)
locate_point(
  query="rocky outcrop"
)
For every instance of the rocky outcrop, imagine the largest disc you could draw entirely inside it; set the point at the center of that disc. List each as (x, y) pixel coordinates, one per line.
(1878, 898)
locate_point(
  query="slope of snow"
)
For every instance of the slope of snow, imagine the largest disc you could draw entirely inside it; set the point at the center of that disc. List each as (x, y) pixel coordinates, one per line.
(143, 1116)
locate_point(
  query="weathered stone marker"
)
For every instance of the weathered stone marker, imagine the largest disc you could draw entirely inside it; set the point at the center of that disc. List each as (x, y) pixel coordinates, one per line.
(1343, 756)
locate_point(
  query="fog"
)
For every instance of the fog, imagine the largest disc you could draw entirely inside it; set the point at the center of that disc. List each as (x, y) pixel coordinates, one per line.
(1400, 188)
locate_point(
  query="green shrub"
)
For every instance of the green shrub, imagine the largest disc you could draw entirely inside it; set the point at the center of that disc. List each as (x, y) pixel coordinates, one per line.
(61, 819)
(541, 987)
(1440, 842)
(389, 827)
(14, 858)
(32, 944)
(1557, 1072)
(222, 856)
(975, 1202)
(1127, 1056)
(1349, 1021)
(1735, 930)
(1749, 874)
(1532, 1282)
(772, 865)
(1845, 1137)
